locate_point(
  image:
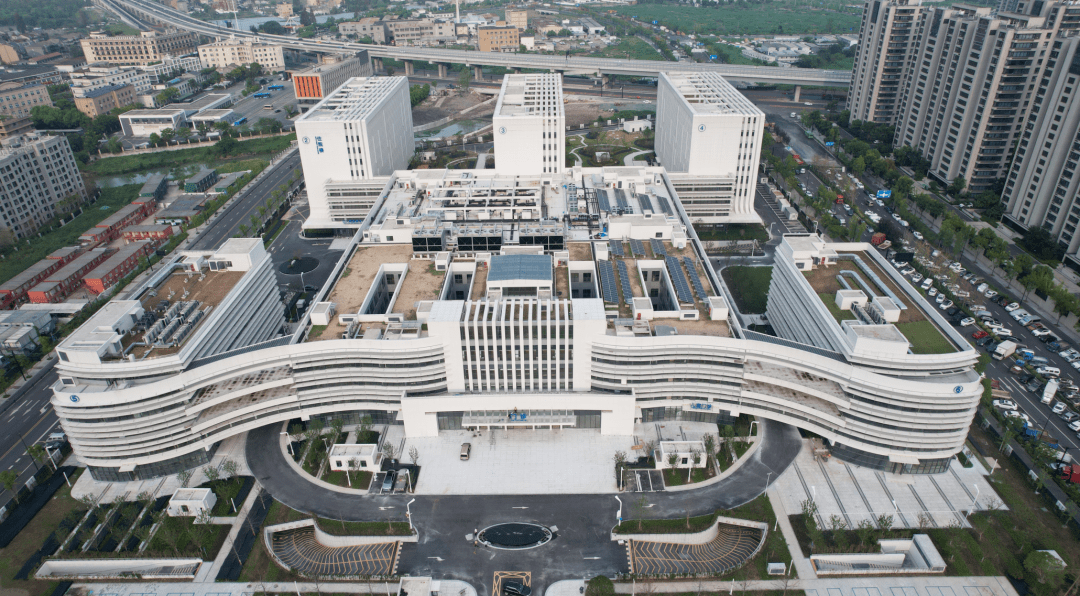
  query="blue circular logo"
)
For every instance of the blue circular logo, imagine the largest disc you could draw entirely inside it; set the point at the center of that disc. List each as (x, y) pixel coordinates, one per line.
(306, 140)
(74, 399)
(958, 389)
(502, 130)
(701, 128)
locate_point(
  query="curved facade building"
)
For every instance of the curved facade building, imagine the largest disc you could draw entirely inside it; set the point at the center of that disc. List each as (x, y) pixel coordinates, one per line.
(438, 317)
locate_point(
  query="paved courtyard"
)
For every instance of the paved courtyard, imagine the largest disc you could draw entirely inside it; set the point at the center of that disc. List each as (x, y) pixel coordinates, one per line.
(519, 462)
(855, 494)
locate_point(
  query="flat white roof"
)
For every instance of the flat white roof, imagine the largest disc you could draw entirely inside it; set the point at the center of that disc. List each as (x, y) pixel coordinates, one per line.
(530, 95)
(355, 100)
(709, 93)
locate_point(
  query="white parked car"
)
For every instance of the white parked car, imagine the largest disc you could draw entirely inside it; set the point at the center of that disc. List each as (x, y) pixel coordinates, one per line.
(1041, 332)
(1002, 332)
(880, 203)
(946, 305)
(967, 321)
(904, 222)
(940, 298)
(990, 293)
(956, 266)
(1012, 307)
(1074, 425)
(1005, 404)
(916, 278)
(982, 288)
(1048, 371)
(907, 271)
(1058, 407)
(917, 235)
(1067, 353)
(1075, 364)
(932, 292)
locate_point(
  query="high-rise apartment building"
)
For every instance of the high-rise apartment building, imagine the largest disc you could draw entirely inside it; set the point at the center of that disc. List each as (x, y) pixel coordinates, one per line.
(145, 48)
(349, 143)
(529, 125)
(1043, 184)
(708, 135)
(37, 173)
(884, 55)
(956, 81)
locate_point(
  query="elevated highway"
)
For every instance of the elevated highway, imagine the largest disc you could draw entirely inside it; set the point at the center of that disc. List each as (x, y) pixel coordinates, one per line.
(152, 11)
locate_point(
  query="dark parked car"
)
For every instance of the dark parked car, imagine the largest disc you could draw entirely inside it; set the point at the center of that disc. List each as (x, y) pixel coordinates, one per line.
(1034, 385)
(952, 311)
(516, 589)
(986, 340)
(1025, 379)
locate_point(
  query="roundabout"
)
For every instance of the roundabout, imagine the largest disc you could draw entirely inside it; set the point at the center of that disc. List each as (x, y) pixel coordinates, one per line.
(298, 266)
(515, 536)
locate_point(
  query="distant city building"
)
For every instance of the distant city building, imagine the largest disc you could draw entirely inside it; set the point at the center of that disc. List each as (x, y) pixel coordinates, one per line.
(18, 100)
(366, 27)
(529, 125)
(498, 39)
(38, 173)
(98, 76)
(242, 51)
(284, 9)
(9, 54)
(313, 84)
(518, 18)
(349, 142)
(708, 130)
(31, 75)
(145, 48)
(14, 125)
(105, 99)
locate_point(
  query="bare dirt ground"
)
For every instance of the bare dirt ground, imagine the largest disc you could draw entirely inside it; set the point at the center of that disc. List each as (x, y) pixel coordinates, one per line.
(435, 108)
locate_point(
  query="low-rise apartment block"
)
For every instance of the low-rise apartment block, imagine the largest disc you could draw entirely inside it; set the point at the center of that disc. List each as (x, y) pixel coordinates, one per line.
(105, 99)
(146, 48)
(498, 39)
(17, 99)
(241, 51)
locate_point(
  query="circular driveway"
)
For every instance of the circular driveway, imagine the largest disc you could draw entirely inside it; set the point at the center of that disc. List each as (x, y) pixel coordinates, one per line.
(583, 548)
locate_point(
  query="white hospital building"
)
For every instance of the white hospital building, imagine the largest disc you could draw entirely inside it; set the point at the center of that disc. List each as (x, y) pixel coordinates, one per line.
(468, 295)
(708, 137)
(529, 125)
(350, 143)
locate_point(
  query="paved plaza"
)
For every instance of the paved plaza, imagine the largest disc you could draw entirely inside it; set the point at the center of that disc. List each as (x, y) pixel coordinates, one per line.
(855, 494)
(519, 462)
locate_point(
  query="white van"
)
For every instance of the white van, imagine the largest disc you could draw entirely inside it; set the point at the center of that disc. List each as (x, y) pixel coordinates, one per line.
(927, 283)
(1049, 371)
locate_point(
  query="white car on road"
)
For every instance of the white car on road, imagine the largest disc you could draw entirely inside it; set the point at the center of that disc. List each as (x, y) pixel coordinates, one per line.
(917, 235)
(1012, 307)
(1005, 404)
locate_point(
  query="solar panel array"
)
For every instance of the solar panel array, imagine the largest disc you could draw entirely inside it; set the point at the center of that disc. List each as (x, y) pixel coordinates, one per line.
(637, 248)
(616, 248)
(695, 279)
(602, 200)
(607, 281)
(679, 279)
(624, 277)
(665, 205)
(646, 204)
(620, 199)
(657, 247)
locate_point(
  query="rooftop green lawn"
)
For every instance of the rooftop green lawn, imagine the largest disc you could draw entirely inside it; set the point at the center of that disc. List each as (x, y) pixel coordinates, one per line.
(925, 338)
(830, 303)
(749, 287)
(208, 154)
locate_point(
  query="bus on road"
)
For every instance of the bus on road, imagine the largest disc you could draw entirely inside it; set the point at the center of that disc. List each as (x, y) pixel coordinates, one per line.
(276, 87)
(261, 94)
(240, 121)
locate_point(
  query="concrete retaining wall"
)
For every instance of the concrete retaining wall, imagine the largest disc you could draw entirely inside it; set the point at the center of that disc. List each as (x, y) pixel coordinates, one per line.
(335, 541)
(116, 568)
(703, 537)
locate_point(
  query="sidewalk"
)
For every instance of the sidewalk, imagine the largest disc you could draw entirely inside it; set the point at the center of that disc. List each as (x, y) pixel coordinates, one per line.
(933, 585)
(41, 367)
(207, 572)
(802, 564)
(449, 587)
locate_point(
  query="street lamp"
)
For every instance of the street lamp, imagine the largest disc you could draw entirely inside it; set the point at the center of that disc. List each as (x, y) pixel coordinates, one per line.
(408, 514)
(975, 501)
(767, 478)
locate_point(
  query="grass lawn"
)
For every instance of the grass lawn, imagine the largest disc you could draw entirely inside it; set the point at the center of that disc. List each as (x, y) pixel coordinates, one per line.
(360, 480)
(677, 477)
(749, 287)
(745, 19)
(925, 338)
(733, 55)
(733, 232)
(111, 199)
(31, 539)
(260, 566)
(637, 48)
(830, 303)
(115, 166)
(370, 528)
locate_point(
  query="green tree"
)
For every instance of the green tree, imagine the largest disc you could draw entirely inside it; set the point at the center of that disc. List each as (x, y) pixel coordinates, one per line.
(600, 586)
(958, 185)
(1038, 278)
(8, 478)
(465, 78)
(167, 95)
(858, 166)
(1044, 568)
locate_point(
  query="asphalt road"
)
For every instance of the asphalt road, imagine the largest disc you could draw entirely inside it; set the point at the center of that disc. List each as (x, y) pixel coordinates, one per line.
(239, 212)
(583, 547)
(25, 422)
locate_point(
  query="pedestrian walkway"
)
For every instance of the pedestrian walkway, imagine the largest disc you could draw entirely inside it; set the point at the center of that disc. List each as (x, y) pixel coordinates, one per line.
(803, 568)
(209, 572)
(448, 587)
(854, 586)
